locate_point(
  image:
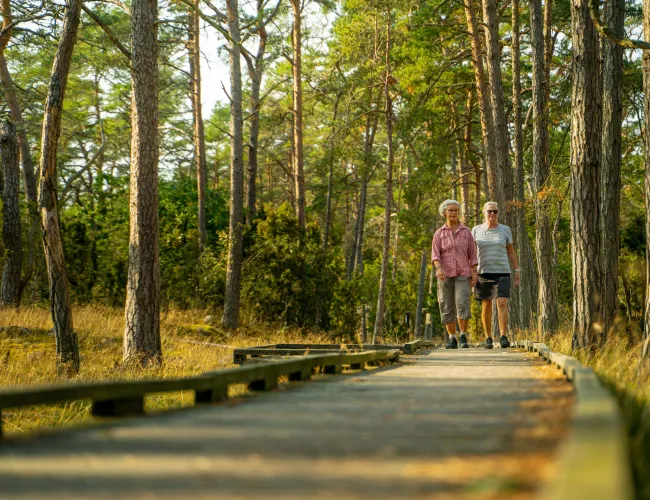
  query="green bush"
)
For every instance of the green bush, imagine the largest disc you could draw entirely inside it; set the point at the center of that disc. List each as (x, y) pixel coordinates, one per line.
(288, 276)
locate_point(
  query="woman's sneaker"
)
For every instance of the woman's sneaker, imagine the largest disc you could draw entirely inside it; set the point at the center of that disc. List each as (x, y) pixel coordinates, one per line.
(505, 343)
(463, 341)
(489, 344)
(452, 344)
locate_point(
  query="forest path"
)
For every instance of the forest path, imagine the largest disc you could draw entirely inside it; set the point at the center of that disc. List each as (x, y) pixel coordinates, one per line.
(469, 423)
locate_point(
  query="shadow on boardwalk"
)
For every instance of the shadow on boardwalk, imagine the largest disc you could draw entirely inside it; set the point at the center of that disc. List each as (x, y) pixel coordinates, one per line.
(460, 424)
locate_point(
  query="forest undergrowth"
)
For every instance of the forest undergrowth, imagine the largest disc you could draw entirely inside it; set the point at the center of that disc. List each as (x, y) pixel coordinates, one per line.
(192, 343)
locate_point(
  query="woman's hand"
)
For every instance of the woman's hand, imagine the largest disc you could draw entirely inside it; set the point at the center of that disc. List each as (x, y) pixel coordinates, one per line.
(474, 279)
(439, 274)
(517, 277)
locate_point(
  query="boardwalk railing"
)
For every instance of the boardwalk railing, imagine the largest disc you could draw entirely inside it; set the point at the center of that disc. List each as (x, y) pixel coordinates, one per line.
(594, 462)
(240, 354)
(127, 397)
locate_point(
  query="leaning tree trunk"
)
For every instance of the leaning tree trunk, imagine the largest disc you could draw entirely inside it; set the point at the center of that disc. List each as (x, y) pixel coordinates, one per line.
(547, 319)
(482, 92)
(198, 135)
(67, 348)
(419, 313)
(610, 181)
(11, 236)
(235, 243)
(298, 162)
(142, 311)
(378, 332)
(585, 165)
(29, 177)
(646, 109)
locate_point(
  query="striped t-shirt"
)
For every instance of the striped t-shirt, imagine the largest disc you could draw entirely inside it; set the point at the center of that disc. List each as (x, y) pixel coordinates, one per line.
(491, 244)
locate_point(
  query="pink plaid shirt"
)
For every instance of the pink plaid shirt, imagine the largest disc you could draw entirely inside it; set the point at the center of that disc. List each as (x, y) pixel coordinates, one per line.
(456, 253)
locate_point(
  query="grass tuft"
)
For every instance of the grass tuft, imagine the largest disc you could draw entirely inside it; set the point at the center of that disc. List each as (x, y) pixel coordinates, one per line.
(190, 347)
(618, 364)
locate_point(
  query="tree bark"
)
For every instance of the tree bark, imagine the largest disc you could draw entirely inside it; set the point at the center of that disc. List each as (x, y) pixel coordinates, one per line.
(464, 152)
(368, 143)
(142, 311)
(421, 287)
(646, 110)
(585, 166)
(499, 175)
(235, 243)
(27, 162)
(67, 348)
(482, 92)
(378, 332)
(528, 278)
(547, 319)
(330, 177)
(255, 73)
(11, 235)
(298, 161)
(611, 160)
(198, 135)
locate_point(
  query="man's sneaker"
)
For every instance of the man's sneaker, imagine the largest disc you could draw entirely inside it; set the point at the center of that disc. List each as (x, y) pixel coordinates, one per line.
(463, 341)
(489, 344)
(452, 344)
(505, 343)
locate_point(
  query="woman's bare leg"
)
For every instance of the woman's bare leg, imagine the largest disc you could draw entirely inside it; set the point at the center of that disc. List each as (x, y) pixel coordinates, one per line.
(502, 308)
(486, 317)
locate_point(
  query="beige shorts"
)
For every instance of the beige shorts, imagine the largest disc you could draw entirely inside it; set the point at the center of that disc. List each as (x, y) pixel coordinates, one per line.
(453, 298)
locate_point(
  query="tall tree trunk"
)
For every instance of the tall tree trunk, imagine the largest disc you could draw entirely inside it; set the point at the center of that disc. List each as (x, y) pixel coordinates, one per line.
(368, 143)
(547, 319)
(585, 166)
(29, 177)
(235, 243)
(330, 177)
(421, 287)
(378, 332)
(11, 236)
(142, 311)
(611, 160)
(198, 135)
(298, 162)
(255, 73)
(523, 244)
(482, 92)
(464, 152)
(499, 175)
(67, 348)
(646, 110)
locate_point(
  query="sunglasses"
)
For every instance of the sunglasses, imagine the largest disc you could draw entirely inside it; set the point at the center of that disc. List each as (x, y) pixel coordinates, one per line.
(492, 211)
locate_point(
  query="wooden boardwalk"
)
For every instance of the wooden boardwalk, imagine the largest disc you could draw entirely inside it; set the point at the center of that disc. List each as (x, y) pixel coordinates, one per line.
(446, 424)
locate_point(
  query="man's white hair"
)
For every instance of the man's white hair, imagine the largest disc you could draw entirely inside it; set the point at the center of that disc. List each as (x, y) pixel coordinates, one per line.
(445, 204)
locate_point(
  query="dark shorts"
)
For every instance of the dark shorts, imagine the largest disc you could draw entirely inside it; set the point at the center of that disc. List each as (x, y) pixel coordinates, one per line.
(490, 286)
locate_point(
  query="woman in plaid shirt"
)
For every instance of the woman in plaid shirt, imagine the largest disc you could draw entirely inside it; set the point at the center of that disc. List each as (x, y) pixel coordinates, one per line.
(453, 253)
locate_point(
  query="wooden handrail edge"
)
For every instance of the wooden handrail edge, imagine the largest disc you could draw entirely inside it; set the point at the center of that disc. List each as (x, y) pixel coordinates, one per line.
(594, 461)
(209, 387)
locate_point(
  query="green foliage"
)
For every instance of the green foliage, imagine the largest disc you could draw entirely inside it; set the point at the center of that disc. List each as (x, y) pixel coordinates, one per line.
(289, 277)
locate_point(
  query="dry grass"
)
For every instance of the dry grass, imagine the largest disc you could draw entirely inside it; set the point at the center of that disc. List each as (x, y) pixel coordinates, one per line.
(27, 356)
(618, 366)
